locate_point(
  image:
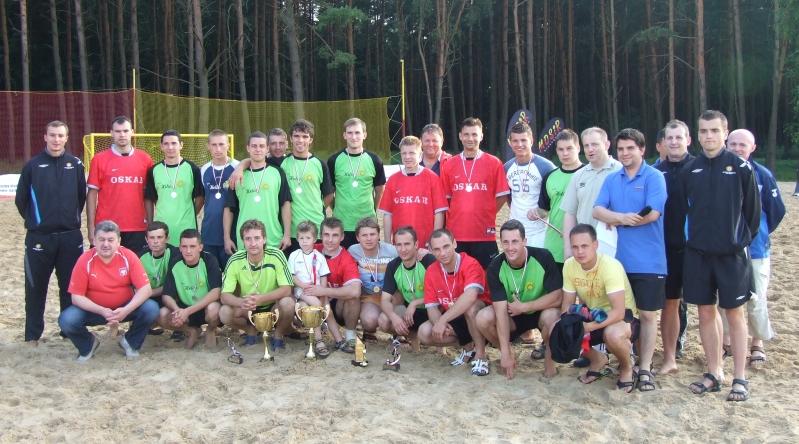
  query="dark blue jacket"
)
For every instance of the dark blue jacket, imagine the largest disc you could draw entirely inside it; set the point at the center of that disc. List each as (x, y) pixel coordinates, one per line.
(772, 211)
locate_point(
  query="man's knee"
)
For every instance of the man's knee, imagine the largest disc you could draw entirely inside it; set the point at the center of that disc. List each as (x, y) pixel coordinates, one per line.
(707, 313)
(547, 320)
(486, 318)
(70, 320)
(617, 334)
(226, 314)
(647, 316)
(425, 333)
(148, 311)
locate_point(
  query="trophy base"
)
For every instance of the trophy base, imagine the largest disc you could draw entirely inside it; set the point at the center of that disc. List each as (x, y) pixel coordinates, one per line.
(269, 359)
(394, 367)
(235, 359)
(359, 363)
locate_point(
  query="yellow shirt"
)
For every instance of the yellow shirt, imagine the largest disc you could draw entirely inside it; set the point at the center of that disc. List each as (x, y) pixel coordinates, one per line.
(592, 286)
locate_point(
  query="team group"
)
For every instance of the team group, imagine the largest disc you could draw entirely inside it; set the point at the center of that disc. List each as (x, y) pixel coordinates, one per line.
(689, 228)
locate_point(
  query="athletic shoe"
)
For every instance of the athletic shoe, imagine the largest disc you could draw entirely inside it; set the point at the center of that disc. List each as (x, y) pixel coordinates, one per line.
(464, 357)
(130, 353)
(95, 346)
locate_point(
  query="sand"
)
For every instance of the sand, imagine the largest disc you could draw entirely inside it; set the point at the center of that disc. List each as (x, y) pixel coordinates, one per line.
(174, 395)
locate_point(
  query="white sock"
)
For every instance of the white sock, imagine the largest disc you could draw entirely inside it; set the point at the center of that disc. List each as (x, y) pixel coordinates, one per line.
(349, 334)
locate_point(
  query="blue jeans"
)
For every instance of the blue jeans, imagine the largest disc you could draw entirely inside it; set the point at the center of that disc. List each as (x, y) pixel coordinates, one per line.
(218, 252)
(74, 320)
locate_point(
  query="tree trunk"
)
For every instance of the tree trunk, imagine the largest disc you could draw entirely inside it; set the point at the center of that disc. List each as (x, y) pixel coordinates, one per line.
(545, 58)
(739, 63)
(614, 123)
(84, 66)
(191, 65)
(653, 70)
(571, 103)
(59, 77)
(780, 53)
(26, 81)
(504, 88)
(276, 49)
(156, 70)
(106, 43)
(294, 58)
(169, 46)
(351, 50)
(423, 60)
(242, 77)
(257, 44)
(134, 42)
(530, 28)
(199, 60)
(123, 60)
(606, 88)
(6, 52)
(700, 54)
(517, 51)
(672, 112)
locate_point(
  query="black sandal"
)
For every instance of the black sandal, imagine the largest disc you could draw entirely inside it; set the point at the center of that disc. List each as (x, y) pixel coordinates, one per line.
(646, 385)
(738, 395)
(699, 387)
(625, 386)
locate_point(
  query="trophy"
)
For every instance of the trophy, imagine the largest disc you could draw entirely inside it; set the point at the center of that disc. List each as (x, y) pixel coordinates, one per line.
(312, 317)
(360, 354)
(235, 356)
(392, 363)
(264, 322)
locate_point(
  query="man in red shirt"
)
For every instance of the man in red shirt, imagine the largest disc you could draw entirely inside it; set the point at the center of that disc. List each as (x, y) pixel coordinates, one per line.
(413, 197)
(343, 285)
(102, 289)
(475, 183)
(432, 153)
(116, 187)
(454, 291)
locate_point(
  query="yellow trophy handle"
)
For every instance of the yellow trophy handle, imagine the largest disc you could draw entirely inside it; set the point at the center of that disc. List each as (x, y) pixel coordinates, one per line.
(277, 315)
(249, 317)
(297, 308)
(327, 312)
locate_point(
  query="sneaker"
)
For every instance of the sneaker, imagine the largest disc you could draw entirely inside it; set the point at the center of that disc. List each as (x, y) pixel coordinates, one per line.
(130, 353)
(277, 344)
(480, 367)
(95, 346)
(463, 358)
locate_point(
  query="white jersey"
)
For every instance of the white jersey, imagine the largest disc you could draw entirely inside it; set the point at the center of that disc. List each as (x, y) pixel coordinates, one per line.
(308, 268)
(524, 181)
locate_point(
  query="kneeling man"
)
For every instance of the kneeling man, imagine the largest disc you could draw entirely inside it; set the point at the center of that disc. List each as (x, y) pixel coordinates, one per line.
(256, 279)
(191, 291)
(600, 282)
(102, 289)
(525, 286)
(454, 291)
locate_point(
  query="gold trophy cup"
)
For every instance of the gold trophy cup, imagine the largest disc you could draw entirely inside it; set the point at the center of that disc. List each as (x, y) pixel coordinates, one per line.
(264, 322)
(311, 317)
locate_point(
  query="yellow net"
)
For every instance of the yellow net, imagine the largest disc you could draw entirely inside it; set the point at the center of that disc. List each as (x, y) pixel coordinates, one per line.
(156, 112)
(194, 146)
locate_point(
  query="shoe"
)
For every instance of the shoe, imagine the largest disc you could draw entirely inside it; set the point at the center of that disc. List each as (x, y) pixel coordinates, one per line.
(95, 346)
(480, 367)
(699, 387)
(177, 336)
(539, 352)
(277, 344)
(156, 331)
(130, 353)
(581, 362)
(347, 346)
(464, 357)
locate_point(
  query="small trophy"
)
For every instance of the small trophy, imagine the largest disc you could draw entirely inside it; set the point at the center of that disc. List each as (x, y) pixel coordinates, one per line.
(360, 354)
(394, 349)
(311, 317)
(235, 356)
(264, 322)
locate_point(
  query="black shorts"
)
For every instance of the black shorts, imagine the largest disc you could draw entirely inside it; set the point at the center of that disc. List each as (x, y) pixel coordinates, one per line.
(349, 239)
(704, 275)
(483, 251)
(674, 264)
(461, 330)
(133, 240)
(598, 336)
(292, 248)
(339, 318)
(649, 290)
(524, 322)
(419, 318)
(196, 319)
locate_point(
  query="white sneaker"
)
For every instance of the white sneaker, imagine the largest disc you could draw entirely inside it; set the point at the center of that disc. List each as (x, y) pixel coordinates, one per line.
(463, 358)
(95, 346)
(130, 353)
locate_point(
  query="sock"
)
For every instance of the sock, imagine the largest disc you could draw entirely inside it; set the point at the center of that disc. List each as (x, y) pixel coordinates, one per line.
(349, 334)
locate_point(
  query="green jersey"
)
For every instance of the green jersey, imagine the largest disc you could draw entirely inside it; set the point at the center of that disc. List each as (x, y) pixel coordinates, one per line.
(260, 196)
(309, 182)
(553, 188)
(408, 281)
(243, 278)
(187, 284)
(355, 177)
(157, 267)
(537, 277)
(173, 189)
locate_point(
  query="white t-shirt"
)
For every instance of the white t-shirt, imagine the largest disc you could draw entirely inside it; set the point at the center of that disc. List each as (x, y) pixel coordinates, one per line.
(308, 268)
(525, 182)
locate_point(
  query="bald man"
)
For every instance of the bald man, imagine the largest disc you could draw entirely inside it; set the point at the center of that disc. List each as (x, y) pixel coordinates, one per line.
(742, 143)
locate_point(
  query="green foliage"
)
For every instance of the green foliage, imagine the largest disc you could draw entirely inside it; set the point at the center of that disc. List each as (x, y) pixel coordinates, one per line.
(339, 17)
(337, 59)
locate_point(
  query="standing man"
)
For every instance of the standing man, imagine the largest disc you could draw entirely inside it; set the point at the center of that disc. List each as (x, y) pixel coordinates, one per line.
(623, 202)
(433, 154)
(476, 187)
(358, 178)
(414, 196)
(742, 143)
(174, 190)
(108, 286)
(578, 202)
(263, 195)
(308, 179)
(526, 292)
(116, 186)
(525, 175)
(277, 143)
(673, 319)
(567, 147)
(214, 176)
(50, 197)
(719, 191)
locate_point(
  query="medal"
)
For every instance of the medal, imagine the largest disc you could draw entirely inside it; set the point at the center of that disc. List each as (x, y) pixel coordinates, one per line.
(468, 188)
(174, 194)
(376, 289)
(257, 198)
(355, 184)
(218, 195)
(298, 190)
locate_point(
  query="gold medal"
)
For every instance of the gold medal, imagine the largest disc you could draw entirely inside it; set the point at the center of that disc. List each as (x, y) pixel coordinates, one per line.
(376, 289)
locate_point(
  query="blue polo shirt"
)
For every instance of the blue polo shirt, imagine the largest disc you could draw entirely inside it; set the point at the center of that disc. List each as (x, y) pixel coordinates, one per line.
(640, 249)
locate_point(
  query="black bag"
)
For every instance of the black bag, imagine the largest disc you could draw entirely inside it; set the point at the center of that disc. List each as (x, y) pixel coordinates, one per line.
(566, 339)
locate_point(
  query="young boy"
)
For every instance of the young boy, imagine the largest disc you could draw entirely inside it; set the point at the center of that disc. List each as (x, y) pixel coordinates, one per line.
(309, 268)
(215, 175)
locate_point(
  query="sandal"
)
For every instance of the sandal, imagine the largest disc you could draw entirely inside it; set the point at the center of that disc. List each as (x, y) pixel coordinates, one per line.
(757, 361)
(596, 375)
(464, 357)
(346, 346)
(480, 367)
(321, 349)
(699, 387)
(369, 336)
(625, 386)
(737, 395)
(648, 384)
(539, 352)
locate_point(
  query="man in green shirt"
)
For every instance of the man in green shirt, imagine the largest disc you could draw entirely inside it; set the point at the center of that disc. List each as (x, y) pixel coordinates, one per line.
(191, 291)
(358, 179)
(526, 292)
(263, 195)
(174, 190)
(257, 279)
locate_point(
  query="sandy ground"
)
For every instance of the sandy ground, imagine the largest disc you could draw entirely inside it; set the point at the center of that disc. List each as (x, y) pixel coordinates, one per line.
(174, 395)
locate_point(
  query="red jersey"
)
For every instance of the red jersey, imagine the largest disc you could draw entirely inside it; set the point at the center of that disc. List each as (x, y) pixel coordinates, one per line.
(442, 289)
(414, 200)
(108, 285)
(472, 186)
(120, 181)
(343, 268)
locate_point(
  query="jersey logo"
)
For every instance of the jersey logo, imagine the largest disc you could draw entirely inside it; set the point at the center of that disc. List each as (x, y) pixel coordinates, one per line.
(774, 192)
(38, 247)
(698, 170)
(69, 166)
(123, 271)
(114, 170)
(728, 170)
(43, 165)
